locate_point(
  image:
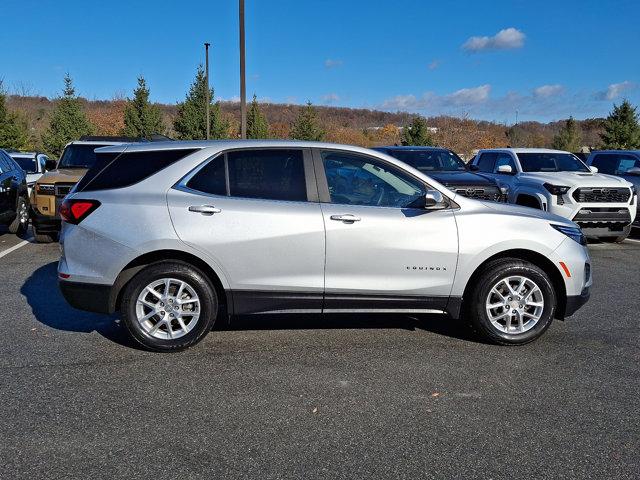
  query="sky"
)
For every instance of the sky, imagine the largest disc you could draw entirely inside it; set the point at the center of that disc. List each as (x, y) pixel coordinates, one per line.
(492, 60)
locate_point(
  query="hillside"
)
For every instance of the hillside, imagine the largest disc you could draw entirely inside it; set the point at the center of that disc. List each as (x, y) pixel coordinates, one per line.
(343, 125)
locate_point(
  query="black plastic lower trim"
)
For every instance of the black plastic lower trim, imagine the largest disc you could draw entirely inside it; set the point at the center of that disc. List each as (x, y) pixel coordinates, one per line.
(87, 296)
(254, 301)
(334, 301)
(44, 223)
(574, 302)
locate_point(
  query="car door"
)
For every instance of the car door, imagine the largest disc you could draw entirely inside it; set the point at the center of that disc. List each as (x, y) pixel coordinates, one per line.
(505, 179)
(255, 212)
(384, 252)
(7, 190)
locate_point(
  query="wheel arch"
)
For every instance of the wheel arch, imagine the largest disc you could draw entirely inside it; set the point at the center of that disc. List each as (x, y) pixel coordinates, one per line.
(157, 256)
(527, 199)
(537, 259)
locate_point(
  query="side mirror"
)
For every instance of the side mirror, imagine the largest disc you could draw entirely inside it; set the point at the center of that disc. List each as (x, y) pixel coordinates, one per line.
(593, 169)
(434, 200)
(474, 168)
(505, 169)
(50, 165)
(633, 171)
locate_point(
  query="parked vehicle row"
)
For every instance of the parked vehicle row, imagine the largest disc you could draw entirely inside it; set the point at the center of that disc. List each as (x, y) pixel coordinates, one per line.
(200, 231)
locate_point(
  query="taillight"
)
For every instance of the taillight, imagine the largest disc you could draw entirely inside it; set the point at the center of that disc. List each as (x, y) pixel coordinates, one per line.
(74, 211)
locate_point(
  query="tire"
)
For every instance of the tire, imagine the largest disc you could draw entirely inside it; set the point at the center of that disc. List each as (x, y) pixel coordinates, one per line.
(44, 237)
(476, 311)
(160, 333)
(20, 224)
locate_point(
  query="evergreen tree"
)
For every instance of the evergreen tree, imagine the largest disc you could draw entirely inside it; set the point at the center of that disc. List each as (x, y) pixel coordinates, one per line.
(191, 124)
(141, 118)
(257, 126)
(621, 128)
(569, 138)
(306, 125)
(416, 133)
(68, 121)
(14, 132)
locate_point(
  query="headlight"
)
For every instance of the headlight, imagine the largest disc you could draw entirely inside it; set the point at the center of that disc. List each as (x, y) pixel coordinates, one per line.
(46, 188)
(574, 233)
(556, 189)
(504, 190)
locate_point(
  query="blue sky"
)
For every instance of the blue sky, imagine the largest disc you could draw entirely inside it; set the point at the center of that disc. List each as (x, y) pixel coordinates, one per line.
(485, 59)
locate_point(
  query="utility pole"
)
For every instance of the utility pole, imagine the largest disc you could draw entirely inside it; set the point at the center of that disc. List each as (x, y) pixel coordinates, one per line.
(243, 89)
(208, 90)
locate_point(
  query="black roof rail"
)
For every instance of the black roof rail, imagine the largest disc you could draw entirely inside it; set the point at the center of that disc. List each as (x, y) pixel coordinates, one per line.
(156, 137)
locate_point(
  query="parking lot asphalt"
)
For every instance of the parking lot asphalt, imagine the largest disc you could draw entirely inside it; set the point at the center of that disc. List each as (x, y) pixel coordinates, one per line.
(317, 397)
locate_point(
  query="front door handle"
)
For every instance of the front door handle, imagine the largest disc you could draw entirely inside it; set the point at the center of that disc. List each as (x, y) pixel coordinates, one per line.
(204, 209)
(346, 218)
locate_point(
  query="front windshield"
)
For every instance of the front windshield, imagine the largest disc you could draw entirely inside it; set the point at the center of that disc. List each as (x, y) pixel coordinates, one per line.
(28, 164)
(78, 156)
(551, 162)
(430, 160)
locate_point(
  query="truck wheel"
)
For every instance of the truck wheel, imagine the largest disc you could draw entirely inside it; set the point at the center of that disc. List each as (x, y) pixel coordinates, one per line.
(169, 306)
(20, 224)
(513, 302)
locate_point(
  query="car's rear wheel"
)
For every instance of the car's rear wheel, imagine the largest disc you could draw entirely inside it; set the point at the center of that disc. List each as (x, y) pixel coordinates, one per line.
(512, 302)
(169, 306)
(20, 224)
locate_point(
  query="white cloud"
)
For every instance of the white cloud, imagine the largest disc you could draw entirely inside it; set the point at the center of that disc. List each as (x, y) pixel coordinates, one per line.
(400, 102)
(465, 97)
(234, 99)
(469, 96)
(330, 98)
(433, 65)
(508, 38)
(615, 90)
(332, 63)
(547, 91)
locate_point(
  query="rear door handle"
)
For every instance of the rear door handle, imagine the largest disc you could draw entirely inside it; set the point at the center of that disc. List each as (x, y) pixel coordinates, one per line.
(204, 209)
(346, 218)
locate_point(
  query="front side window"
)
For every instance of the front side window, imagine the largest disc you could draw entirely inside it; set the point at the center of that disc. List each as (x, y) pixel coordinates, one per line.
(487, 161)
(430, 160)
(359, 180)
(615, 164)
(551, 162)
(505, 159)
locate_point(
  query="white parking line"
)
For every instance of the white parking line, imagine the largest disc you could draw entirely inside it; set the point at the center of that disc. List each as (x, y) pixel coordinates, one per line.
(632, 240)
(15, 247)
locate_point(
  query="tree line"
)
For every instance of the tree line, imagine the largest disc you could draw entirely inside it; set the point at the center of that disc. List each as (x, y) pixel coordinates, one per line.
(141, 118)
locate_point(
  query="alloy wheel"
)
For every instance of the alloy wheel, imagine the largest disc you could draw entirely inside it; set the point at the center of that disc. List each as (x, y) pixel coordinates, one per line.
(514, 304)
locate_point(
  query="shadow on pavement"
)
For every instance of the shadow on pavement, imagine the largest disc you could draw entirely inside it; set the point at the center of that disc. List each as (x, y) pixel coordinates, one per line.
(51, 309)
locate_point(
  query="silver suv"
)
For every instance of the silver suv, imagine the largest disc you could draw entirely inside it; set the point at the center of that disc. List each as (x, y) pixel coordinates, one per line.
(178, 235)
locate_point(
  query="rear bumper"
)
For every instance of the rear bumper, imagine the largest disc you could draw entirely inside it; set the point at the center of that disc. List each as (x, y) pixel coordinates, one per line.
(44, 223)
(88, 296)
(575, 302)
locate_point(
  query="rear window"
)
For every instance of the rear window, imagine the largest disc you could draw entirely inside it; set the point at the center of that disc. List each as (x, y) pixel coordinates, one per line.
(79, 156)
(28, 164)
(119, 170)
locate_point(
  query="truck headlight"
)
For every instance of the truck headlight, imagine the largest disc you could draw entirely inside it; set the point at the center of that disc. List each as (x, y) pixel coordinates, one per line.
(556, 189)
(574, 233)
(46, 188)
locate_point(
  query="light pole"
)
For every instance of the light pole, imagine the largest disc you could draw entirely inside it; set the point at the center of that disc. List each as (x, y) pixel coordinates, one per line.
(243, 90)
(208, 91)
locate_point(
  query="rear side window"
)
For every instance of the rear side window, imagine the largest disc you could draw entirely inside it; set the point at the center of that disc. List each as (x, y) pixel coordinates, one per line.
(211, 178)
(486, 162)
(119, 170)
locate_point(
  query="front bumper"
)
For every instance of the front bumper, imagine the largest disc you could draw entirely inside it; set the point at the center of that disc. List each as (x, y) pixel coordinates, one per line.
(90, 297)
(575, 302)
(44, 223)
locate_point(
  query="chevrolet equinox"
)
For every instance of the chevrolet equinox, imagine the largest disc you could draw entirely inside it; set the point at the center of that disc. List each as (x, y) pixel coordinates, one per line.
(176, 235)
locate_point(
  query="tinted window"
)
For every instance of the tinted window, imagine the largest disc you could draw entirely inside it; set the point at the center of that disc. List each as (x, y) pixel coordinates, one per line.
(28, 164)
(6, 164)
(118, 170)
(615, 164)
(429, 160)
(551, 162)
(505, 159)
(267, 174)
(360, 180)
(211, 178)
(79, 156)
(486, 162)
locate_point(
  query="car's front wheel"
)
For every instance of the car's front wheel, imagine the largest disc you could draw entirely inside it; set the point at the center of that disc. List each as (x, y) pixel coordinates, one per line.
(20, 224)
(512, 302)
(169, 306)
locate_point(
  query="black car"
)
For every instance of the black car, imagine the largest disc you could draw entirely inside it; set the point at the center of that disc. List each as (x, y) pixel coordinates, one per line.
(14, 210)
(446, 167)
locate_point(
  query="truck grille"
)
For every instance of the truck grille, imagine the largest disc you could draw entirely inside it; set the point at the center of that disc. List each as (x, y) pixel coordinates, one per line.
(479, 193)
(602, 195)
(63, 189)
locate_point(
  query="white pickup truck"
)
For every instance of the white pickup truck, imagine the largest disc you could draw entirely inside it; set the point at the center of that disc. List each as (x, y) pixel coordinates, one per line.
(559, 182)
